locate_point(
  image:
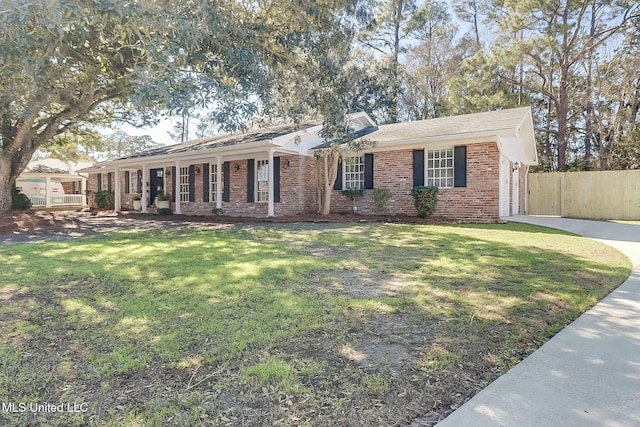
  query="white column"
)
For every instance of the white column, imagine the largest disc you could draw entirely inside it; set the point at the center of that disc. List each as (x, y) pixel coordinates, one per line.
(145, 188)
(83, 191)
(270, 197)
(219, 181)
(117, 197)
(47, 192)
(176, 191)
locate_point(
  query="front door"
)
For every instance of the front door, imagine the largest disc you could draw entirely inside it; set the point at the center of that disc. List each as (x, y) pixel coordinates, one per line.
(156, 184)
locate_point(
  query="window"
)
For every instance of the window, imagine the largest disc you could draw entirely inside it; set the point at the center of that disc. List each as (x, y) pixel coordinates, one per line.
(262, 178)
(440, 168)
(214, 182)
(133, 181)
(106, 182)
(184, 184)
(354, 172)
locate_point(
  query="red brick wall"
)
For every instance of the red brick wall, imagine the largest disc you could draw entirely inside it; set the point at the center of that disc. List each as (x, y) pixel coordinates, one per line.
(477, 202)
(297, 190)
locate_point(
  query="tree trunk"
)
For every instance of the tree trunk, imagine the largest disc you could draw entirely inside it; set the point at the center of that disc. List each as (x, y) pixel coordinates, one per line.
(395, 83)
(319, 183)
(327, 168)
(6, 182)
(563, 94)
(588, 127)
(563, 111)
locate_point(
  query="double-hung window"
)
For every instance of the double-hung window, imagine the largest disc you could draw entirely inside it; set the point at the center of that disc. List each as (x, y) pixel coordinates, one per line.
(184, 184)
(440, 168)
(262, 181)
(133, 181)
(354, 172)
(214, 182)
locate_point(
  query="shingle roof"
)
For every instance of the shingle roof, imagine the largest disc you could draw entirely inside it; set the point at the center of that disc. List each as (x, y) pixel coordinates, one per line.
(55, 166)
(467, 124)
(224, 140)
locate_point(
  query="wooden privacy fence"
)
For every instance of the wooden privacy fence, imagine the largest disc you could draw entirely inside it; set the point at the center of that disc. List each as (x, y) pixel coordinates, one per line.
(592, 195)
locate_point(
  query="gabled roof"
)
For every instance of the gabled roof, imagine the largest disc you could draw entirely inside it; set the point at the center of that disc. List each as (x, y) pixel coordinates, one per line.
(491, 122)
(511, 129)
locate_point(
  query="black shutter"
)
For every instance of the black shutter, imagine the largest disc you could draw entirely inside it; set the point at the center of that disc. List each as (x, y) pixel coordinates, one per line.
(226, 196)
(418, 168)
(192, 183)
(250, 177)
(99, 182)
(173, 184)
(276, 179)
(205, 182)
(139, 189)
(126, 182)
(460, 166)
(368, 171)
(109, 185)
(338, 184)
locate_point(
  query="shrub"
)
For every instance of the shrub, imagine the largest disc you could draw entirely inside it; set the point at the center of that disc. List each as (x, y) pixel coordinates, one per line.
(352, 194)
(104, 199)
(165, 211)
(162, 197)
(19, 201)
(216, 211)
(381, 197)
(136, 197)
(425, 199)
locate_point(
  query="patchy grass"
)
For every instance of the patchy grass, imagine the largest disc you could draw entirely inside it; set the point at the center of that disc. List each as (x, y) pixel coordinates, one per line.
(296, 324)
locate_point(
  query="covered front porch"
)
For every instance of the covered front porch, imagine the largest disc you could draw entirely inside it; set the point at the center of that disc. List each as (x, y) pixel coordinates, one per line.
(233, 182)
(54, 190)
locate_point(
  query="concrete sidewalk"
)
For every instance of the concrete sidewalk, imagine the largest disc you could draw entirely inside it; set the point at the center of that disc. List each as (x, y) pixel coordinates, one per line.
(589, 373)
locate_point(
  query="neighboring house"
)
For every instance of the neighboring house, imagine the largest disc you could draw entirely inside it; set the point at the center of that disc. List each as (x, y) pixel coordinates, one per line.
(479, 162)
(54, 183)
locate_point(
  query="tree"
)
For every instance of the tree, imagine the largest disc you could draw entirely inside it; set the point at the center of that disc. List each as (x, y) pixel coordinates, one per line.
(62, 60)
(555, 39)
(120, 144)
(393, 26)
(431, 64)
(615, 130)
(472, 12)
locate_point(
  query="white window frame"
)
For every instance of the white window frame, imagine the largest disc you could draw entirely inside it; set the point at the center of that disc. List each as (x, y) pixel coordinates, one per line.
(439, 168)
(105, 181)
(262, 181)
(353, 173)
(133, 182)
(214, 182)
(183, 184)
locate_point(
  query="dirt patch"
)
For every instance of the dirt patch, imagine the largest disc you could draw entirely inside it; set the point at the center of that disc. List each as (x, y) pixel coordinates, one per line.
(21, 221)
(33, 226)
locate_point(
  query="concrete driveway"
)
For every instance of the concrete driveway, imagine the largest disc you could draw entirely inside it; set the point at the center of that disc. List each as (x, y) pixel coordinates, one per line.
(589, 373)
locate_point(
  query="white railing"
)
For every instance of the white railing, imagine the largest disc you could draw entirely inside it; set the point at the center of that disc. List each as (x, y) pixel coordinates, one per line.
(64, 200)
(37, 200)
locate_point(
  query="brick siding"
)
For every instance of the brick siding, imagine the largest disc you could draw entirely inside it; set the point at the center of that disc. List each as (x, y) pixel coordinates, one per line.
(477, 202)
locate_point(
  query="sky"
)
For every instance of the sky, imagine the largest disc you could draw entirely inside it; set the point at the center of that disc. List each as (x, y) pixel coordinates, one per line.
(159, 133)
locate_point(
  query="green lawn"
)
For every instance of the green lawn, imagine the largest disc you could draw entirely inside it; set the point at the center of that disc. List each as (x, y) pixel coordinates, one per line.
(298, 324)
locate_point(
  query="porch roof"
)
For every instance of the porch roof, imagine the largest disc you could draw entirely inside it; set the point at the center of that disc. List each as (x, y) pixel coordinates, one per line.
(265, 135)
